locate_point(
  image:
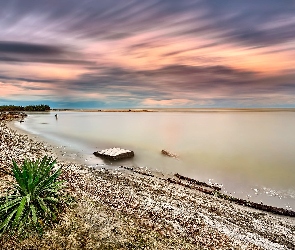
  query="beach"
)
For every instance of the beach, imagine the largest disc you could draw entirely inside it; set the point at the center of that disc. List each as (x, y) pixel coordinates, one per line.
(121, 208)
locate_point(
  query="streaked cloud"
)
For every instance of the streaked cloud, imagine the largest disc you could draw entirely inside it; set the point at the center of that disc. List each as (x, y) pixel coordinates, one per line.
(190, 53)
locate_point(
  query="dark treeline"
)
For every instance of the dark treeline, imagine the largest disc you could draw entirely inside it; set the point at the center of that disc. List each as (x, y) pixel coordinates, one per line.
(40, 107)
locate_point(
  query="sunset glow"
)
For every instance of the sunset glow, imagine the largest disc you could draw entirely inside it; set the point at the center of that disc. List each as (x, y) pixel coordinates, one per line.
(158, 53)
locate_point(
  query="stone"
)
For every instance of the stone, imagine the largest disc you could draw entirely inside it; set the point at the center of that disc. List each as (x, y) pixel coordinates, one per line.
(114, 154)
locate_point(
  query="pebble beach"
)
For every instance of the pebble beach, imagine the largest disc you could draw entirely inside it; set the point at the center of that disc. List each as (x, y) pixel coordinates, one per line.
(124, 208)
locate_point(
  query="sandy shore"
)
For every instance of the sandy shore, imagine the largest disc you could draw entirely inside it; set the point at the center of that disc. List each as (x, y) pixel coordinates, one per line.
(122, 209)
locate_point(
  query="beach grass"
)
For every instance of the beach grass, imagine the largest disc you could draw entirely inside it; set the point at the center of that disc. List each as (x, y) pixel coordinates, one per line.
(34, 199)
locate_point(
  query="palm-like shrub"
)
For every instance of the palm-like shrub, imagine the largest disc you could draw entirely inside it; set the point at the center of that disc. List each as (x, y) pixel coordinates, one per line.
(35, 198)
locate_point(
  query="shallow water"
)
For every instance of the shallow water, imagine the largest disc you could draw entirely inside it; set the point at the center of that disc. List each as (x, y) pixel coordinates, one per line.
(251, 153)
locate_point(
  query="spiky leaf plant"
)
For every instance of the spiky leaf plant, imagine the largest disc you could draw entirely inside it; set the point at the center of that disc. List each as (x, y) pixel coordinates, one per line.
(35, 197)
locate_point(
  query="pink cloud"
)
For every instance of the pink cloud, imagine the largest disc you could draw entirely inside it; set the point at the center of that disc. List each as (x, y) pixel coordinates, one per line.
(172, 102)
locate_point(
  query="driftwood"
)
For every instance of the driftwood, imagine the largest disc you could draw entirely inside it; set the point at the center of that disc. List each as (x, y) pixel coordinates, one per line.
(165, 152)
(204, 190)
(200, 183)
(259, 206)
(137, 171)
(271, 209)
(194, 184)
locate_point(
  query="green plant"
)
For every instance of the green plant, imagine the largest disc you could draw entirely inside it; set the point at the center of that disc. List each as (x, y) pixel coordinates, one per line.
(35, 197)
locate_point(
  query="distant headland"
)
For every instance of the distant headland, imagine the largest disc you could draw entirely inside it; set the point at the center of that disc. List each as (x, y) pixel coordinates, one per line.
(41, 107)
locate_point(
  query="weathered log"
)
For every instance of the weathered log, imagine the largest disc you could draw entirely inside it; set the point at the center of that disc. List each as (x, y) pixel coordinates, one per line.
(165, 152)
(271, 209)
(200, 183)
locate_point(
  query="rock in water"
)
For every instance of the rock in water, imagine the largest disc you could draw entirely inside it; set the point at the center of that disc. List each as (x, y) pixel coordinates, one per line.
(165, 152)
(114, 154)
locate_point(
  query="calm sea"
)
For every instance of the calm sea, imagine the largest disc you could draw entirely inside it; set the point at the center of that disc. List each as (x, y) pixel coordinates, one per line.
(252, 154)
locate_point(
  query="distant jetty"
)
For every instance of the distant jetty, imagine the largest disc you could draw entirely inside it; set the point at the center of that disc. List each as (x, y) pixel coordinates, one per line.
(114, 154)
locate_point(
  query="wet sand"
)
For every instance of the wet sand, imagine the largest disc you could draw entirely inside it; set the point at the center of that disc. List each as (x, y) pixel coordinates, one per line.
(122, 209)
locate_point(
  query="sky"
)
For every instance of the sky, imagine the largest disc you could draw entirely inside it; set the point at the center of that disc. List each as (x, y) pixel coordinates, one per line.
(145, 54)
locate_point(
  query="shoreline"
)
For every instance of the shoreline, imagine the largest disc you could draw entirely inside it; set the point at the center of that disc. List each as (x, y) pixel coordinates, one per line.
(210, 189)
(56, 148)
(172, 212)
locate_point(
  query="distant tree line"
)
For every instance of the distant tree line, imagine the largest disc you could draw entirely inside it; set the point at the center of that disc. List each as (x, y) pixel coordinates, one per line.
(40, 107)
